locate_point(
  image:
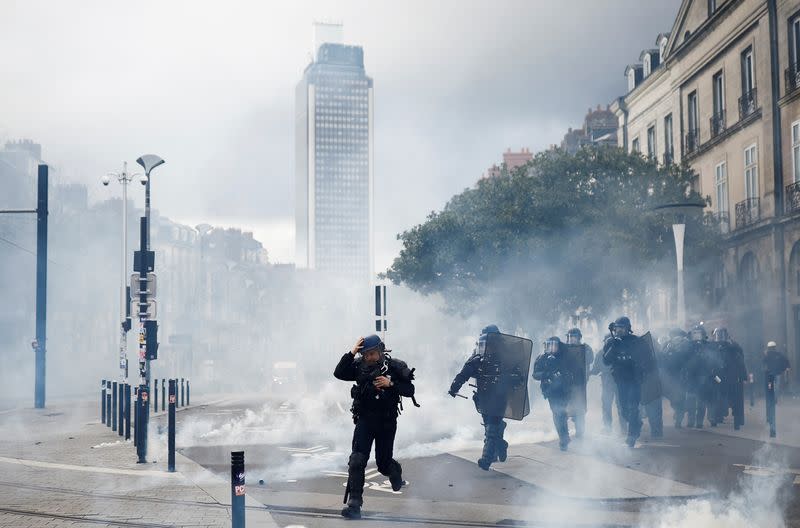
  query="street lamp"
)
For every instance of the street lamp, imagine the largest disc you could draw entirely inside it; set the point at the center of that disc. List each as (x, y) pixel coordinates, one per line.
(148, 163)
(124, 178)
(678, 230)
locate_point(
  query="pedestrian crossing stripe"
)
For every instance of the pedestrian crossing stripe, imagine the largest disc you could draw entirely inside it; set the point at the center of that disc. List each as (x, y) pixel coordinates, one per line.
(315, 449)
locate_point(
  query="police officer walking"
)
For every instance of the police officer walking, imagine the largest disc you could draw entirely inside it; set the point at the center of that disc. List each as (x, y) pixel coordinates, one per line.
(621, 353)
(608, 392)
(552, 368)
(699, 393)
(674, 358)
(494, 446)
(577, 404)
(774, 364)
(380, 381)
(734, 374)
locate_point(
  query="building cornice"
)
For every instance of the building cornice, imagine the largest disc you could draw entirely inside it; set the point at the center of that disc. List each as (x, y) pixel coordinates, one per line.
(673, 52)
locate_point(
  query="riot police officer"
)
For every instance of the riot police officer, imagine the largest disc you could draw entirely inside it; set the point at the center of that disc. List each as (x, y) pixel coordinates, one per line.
(583, 356)
(608, 392)
(674, 358)
(380, 382)
(774, 365)
(703, 379)
(552, 368)
(494, 445)
(734, 374)
(622, 353)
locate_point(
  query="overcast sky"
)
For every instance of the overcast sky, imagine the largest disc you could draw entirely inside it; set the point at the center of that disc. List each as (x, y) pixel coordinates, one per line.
(209, 86)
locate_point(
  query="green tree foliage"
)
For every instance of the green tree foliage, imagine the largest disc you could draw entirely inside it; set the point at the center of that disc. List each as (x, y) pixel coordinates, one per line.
(561, 232)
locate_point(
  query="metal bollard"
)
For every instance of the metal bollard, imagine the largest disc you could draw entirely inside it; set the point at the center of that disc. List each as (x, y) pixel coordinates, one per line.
(237, 489)
(120, 408)
(187, 392)
(171, 428)
(141, 431)
(103, 401)
(155, 396)
(181, 392)
(108, 403)
(127, 411)
(135, 417)
(163, 394)
(114, 406)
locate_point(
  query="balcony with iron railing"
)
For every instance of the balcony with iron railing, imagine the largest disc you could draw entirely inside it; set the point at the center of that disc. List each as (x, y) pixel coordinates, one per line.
(720, 220)
(718, 123)
(692, 140)
(747, 212)
(792, 76)
(793, 197)
(748, 103)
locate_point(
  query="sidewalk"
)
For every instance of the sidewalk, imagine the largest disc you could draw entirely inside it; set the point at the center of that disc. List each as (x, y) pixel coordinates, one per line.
(61, 467)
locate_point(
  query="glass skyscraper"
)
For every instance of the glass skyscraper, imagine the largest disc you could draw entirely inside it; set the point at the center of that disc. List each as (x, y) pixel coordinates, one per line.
(334, 169)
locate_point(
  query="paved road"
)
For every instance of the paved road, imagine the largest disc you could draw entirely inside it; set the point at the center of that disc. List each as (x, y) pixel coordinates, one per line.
(684, 477)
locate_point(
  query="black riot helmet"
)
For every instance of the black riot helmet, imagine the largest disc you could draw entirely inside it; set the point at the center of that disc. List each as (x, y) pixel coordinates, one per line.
(552, 345)
(621, 327)
(699, 333)
(480, 346)
(721, 335)
(574, 336)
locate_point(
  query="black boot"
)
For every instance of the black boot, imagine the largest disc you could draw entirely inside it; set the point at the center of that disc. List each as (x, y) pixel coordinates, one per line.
(396, 476)
(502, 445)
(352, 510)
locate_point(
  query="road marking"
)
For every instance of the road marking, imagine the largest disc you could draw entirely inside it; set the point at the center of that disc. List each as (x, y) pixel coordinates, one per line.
(758, 471)
(88, 469)
(315, 449)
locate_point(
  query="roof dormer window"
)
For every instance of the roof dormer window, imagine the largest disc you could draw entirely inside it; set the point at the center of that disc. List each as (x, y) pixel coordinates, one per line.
(712, 6)
(631, 79)
(647, 65)
(661, 42)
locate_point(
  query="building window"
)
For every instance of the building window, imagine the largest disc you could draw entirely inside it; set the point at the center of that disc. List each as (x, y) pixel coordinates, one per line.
(631, 79)
(794, 42)
(647, 65)
(721, 186)
(662, 48)
(651, 142)
(712, 7)
(796, 152)
(693, 134)
(718, 117)
(635, 145)
(751, 172)
(668, 145)
(748, 71)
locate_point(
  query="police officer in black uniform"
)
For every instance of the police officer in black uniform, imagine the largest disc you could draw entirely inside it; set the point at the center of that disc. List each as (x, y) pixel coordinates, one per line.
(495, 448)
(774, 365)
(557, 378)
(577, 405)
(380, 381)
(608, 392)
(733, 377)
(622, 353)
(674, 357)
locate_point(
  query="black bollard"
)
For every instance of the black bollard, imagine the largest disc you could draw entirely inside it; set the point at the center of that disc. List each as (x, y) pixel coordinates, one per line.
(108, 403)
(187, 392)
(120, 408)
(103, 401)
(114, 406)
(163, 394)
(237, 489)
(127, 411)
(181, 392)
(141, 431)
(135, 416)
(171, 427)
(155, 396)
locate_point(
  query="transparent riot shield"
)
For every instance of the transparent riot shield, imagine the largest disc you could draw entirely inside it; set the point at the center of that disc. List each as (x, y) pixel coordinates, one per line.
(576, 359)
(651, 381)
(502, 382)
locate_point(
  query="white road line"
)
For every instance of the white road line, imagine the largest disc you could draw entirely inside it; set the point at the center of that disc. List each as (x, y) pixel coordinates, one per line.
(88, 469)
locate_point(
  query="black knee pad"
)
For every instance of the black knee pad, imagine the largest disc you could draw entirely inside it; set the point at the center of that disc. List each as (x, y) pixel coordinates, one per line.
(357, 461)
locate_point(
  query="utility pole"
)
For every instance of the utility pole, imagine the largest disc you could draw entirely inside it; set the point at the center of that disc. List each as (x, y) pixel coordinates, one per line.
(39, 344)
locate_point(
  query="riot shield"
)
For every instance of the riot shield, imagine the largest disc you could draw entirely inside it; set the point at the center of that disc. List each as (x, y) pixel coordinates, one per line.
(502, 380)
(576, 359)
(651, 381)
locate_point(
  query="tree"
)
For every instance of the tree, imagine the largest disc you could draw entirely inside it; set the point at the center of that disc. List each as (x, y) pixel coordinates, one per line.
(560, 232)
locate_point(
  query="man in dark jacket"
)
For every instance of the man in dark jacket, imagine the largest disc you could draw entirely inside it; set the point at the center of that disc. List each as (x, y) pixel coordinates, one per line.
(734, 374)
(623, 354)
(494, 446)
(608, 392)
(556, 375)
(674, 357)
(775, 364)
(380, 381)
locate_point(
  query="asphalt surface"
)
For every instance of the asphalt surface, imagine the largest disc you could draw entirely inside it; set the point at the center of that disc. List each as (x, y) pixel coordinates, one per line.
(302, 483)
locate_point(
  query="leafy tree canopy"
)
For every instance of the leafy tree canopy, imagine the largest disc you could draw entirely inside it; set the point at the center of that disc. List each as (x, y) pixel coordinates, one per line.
(561, 232)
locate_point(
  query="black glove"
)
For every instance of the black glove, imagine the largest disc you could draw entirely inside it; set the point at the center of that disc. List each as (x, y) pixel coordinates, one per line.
(452, 393)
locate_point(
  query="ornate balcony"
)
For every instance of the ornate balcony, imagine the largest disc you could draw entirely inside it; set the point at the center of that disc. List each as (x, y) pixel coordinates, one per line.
(692, 140)
(793, 197)
(718, 123)
(792, 75)
(747, 212)
(721, 221)
(748, 103)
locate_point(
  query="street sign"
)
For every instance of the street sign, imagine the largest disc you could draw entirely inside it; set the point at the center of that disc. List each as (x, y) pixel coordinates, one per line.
(151, 285)
(152, 312)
